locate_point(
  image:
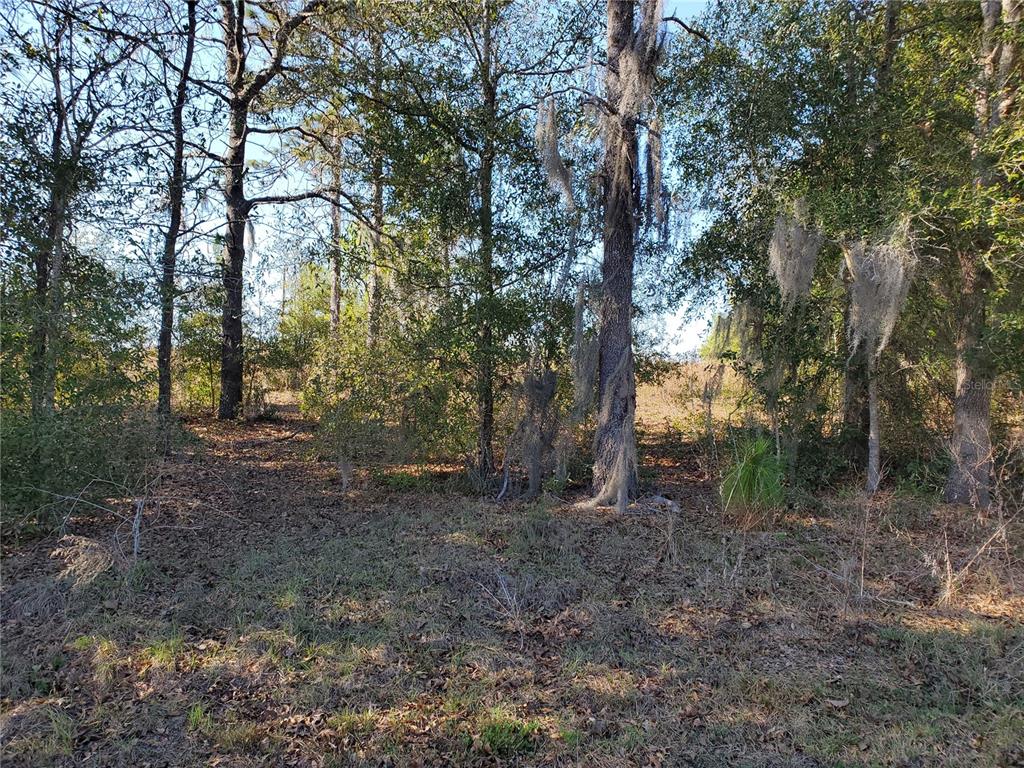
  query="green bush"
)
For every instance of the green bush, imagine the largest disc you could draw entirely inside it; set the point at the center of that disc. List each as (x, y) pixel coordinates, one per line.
(385, 404)
(752, 486)
(73, 458)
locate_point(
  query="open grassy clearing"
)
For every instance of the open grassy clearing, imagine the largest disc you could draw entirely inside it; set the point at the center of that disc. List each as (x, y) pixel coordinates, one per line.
(273, 619)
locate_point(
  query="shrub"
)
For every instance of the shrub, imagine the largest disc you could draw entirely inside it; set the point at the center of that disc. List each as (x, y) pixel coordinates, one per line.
(752, 485)
(73, 457)
(386, 405)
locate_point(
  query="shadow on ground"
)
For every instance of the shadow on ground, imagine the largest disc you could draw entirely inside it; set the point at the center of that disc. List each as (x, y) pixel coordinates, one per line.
(273, 619)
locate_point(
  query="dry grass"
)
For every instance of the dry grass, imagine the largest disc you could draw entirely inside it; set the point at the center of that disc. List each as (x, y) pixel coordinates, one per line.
(679, 403)
(278, 620)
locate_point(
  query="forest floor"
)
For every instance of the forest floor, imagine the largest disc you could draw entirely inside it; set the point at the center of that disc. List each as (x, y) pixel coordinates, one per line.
(274, 618)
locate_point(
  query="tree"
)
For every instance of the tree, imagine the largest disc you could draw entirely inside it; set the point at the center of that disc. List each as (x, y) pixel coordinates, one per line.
(72, 86)
(176, 191)
(995, 102)
(461, 113)
(633, 51)
(272, 35)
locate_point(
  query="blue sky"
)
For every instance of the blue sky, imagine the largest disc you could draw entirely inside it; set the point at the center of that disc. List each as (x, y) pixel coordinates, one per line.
(685, 7)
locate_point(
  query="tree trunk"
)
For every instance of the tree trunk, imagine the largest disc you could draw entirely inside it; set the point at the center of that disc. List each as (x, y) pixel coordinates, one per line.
(49, 264)
(485, 333)
(49, 302)
(37, 355)
(376, 289)
(485, 306)
(856, 412)
(855, 394)
(232, 353)
(335, 252)
(971, 470)
(971, 445)
(244, 86)
(614, 442)
(874, 435)
(176, 192)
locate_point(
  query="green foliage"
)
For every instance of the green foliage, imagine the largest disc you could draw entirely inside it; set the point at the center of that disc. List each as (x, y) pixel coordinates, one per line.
(404, 394)
(868, 126)
(386, 402)
(99, 342)
(73, 458)
(197, 353)
(504, 736)
(752, 486)
(304, 324)
(98, 441)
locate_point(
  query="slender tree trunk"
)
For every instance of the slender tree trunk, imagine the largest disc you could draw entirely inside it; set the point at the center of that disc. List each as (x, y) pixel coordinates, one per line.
(232, 353)
(971, 445)
(51, 299)
(49, 269)
(614, 442)
(856, 380)
(856, 412)
(37, 355)
(48, 264)
(375, 298)
(855, 385)
(376, 289)
(485, 331)
(335, 249)
(176, 194)
(874, 434)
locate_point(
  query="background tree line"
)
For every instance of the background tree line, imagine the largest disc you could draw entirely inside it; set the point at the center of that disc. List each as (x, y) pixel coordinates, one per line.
(446, 224)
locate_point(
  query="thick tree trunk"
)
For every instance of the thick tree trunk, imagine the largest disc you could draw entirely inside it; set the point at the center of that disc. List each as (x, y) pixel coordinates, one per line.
(244, 86)
(232, 353)
(971, 445)
(614, 442)
(175, 193)
(971, 470)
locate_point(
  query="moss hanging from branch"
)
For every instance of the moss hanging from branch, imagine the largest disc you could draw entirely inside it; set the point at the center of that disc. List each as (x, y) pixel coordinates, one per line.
(792, 256)
(655, 184)
(558, 175)
(881, 273)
